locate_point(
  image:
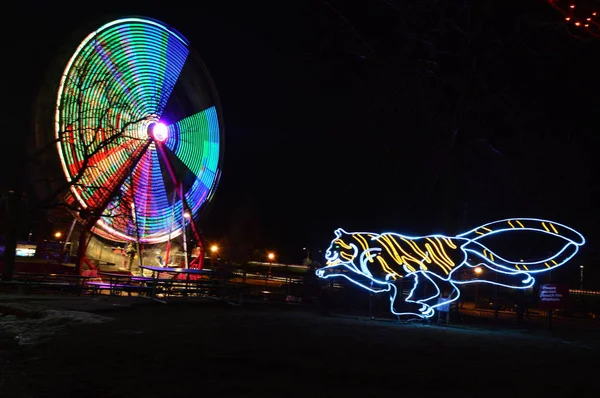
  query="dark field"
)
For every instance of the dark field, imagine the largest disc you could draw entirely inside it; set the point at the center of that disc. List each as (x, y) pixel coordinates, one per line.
(215, 349)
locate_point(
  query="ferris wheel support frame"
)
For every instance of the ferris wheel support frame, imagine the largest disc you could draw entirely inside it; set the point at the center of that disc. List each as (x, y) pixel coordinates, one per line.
(184, 206)
(97, 214)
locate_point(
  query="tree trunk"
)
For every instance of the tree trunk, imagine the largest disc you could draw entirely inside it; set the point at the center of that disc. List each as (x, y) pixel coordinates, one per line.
(81, 249)
(10, 248)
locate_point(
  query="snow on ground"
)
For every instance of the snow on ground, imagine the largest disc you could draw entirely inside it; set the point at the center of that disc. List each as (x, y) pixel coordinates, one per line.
(214, 349)
(32, 324)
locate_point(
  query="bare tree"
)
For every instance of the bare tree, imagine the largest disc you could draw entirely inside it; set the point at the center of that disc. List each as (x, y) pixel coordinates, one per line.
(99, 118)
(443, 68)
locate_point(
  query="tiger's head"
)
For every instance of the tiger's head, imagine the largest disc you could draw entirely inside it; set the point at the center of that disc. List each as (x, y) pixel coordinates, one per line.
(341, 254)
(349, 256)
(342, 249)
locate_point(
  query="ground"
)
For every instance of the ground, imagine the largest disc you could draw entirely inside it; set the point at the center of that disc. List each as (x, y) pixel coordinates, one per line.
(139, 348)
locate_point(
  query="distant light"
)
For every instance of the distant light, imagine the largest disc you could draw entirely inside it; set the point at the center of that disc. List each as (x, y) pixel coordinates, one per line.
(572, 6)
(187, 215)
(581, 266)
(57, 235)
(271, 256)
(214, 248)
(577, 23)
(478, 270)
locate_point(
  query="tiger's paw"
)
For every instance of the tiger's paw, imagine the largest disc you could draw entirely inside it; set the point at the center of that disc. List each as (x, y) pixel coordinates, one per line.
(426, 311)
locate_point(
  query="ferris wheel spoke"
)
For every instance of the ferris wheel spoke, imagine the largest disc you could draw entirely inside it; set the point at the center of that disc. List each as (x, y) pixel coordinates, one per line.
(131, 67)
(149, 59)
(195, 142)
(99, 183)
(153, 200)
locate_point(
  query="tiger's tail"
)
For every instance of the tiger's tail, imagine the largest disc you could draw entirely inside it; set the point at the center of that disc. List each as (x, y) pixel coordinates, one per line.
(573, 240)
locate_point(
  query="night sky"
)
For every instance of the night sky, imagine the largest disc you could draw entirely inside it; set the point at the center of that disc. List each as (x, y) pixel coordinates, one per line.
(381, 116)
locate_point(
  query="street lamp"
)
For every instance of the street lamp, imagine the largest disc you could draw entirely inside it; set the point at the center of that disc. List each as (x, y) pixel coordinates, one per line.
(307, 250)
(271, 257)
(581, 277)
(213, 250)
(478, 271)
(57, 235)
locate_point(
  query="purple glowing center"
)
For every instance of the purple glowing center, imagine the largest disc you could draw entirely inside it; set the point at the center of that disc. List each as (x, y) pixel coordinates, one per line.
(159, 132)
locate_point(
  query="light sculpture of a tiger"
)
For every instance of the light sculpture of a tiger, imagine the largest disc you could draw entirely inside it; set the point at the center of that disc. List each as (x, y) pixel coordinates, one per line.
(377, 262)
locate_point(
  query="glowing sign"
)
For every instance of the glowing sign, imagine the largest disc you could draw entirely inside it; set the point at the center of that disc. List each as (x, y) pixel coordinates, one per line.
(436, 264)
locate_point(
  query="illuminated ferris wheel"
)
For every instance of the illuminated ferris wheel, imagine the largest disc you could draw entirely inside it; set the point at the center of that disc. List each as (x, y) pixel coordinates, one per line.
(138, 128)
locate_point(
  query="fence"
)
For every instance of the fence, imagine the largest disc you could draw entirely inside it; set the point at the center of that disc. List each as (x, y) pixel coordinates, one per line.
(477, 305)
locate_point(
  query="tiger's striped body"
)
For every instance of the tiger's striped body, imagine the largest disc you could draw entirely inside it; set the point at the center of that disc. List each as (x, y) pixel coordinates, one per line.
(398, 256)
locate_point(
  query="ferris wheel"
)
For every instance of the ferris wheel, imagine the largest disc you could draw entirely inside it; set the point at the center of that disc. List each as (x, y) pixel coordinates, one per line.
(138, 128)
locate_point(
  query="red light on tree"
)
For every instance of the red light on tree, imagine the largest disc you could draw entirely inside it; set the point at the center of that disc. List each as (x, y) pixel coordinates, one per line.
(577, 14)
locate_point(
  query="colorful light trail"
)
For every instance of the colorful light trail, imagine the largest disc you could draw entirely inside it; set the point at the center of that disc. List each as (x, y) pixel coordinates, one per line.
(112, 121)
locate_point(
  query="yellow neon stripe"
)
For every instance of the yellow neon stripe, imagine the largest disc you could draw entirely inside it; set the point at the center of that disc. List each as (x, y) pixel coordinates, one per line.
(492, 256)
(509, 223)
(390, 250)
(554, 262)
(343, 244)
(519, 222)
(524, 266)
(346, 256)
(415, 247)
(554, 229)
(439, 261)
(443, 252)
(361, 241)
(545, 227)
(450, 243)
(386, 267)
(484, 253)
(546, 264)
(487, 229)
(388, 245)
(436, 252)
(407, 256)
(480, 233)
(517, 267)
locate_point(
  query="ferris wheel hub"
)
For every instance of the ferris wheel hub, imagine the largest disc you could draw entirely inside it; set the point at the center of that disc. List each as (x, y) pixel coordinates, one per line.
(158, 131)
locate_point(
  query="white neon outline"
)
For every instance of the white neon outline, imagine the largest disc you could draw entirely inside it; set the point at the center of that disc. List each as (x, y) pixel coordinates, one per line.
(470, 245)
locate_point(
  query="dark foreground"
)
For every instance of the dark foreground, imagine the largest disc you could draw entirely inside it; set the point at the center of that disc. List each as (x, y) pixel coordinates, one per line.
(215, 349)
